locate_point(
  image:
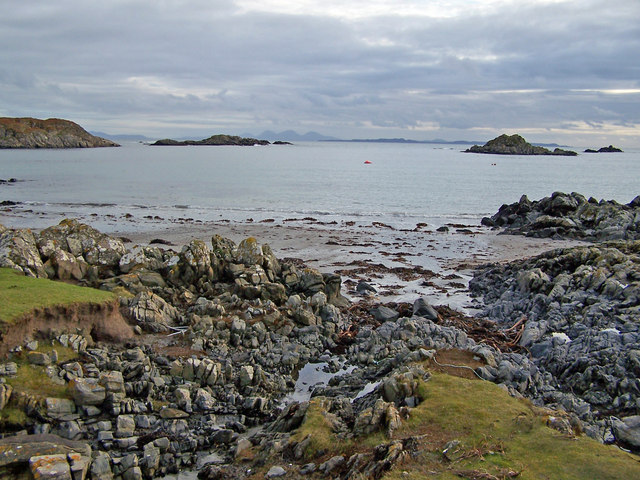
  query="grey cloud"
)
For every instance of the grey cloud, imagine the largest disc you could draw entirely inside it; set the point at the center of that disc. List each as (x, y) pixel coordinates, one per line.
(215, 63)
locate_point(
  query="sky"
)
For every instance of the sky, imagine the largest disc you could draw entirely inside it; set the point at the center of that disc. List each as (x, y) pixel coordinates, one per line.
(565, 71)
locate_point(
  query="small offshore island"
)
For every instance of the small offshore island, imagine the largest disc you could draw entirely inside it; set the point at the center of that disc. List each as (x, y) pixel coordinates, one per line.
(50, 133)
(516, 145)
(218, 140)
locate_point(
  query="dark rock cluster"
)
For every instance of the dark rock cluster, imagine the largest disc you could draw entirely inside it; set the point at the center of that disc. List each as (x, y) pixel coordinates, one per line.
(516, 145)
(571, 216)
(214, 140)
(580, 313)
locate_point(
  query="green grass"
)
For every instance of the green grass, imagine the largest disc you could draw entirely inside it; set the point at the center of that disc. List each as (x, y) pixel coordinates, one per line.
(19, 294)
(500, 434)
(318, 428)
(33, 379)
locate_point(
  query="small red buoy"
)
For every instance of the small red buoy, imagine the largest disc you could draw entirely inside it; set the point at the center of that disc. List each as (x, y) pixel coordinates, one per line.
(367, 162)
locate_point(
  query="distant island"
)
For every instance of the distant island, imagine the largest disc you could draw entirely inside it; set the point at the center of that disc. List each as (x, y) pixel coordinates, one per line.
(50, 133)
(215, 140)
(516, 145)
(609, 149)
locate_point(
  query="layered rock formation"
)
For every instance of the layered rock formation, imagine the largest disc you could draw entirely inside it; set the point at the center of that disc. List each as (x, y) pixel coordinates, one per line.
(572, 216)
(224, 330)
(515, 145)
(214, 140)
(579, 313)
(50, 133)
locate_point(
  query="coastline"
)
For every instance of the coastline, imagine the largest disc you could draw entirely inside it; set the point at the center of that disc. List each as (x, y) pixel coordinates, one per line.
(402, 265)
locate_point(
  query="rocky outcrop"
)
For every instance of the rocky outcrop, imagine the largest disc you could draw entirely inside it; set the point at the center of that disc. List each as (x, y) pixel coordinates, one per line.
(578, 311)
(50, 133)
(214, 140)
(515, 145)
(609, 149)
(569, 216)
(225, 332)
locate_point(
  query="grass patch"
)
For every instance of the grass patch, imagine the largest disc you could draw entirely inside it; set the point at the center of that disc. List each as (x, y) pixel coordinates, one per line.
(499, 434)
(33, 379)
(12, 417)
(317, 426)
(19, 294)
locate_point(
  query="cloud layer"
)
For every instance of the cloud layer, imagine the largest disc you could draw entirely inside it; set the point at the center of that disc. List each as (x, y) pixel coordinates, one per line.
(551, 69)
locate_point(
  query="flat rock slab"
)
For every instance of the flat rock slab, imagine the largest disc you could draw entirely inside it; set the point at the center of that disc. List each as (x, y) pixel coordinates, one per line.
(21, 448)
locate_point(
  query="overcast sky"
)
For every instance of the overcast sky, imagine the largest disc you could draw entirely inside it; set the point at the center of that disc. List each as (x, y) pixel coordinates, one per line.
(552, 70)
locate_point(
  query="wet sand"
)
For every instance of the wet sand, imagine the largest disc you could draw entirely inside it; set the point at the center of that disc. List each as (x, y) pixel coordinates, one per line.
(400, 265)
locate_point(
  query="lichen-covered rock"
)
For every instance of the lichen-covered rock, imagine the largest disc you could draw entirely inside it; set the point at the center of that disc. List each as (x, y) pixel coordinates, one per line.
(18, 250)
(81, 241)
(87, 391)
(5, 394)
(194, 267)
(67, 267)
(152, 312)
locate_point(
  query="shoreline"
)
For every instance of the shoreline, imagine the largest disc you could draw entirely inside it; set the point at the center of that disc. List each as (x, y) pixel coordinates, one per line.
(401, 264)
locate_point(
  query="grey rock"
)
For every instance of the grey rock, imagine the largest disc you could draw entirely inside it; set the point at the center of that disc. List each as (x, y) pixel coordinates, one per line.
(275, 472)
(384, 314)
(18, 250)
(627, 430)
(422, 308)
(87, 391)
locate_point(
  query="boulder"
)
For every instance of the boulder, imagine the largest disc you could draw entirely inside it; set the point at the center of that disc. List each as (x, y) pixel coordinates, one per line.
(422, 308)
(80, 240)
(67, 267)
(5, 394)
(193, 266)
(16, 451)
(87, 391)
(18, 250)
(152, 313)
(627, 430)
(384, 314)
(275, 472)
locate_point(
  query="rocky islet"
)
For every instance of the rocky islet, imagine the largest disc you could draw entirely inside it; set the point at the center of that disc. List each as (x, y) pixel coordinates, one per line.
(516, 145)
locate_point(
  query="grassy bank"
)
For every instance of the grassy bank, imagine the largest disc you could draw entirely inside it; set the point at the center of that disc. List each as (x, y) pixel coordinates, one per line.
(20, 295)
(490, 436)
(500, 436)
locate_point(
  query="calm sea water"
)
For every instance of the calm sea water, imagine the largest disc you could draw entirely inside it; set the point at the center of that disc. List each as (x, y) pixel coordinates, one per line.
(403, 185)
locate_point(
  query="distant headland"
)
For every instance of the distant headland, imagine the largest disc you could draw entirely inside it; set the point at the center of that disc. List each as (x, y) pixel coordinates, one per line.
(516, 145)
(217, 140)
(50, 133)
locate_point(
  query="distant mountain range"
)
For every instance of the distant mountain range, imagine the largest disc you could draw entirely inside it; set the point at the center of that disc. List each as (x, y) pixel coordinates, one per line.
(123, 137)
(292, 136)
(404, 140)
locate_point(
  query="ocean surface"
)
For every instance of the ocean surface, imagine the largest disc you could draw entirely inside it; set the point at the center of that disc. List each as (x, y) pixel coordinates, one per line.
(405, 184)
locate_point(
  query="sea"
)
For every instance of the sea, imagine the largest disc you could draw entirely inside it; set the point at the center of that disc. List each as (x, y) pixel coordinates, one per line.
(335, 183)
